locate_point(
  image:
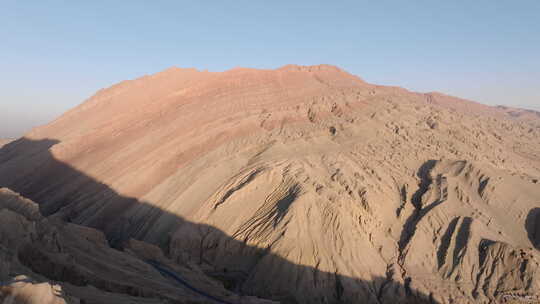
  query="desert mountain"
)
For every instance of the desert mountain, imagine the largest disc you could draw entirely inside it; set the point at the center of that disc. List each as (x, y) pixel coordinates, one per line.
(298, 185)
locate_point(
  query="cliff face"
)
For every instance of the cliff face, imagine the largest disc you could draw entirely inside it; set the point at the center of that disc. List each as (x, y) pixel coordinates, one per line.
(301, 184)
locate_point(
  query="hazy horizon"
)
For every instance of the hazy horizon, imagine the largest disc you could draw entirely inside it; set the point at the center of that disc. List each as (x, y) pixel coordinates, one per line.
(59, 54)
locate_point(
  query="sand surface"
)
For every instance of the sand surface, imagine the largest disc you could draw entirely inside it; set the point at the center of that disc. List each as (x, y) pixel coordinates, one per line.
(299, 185)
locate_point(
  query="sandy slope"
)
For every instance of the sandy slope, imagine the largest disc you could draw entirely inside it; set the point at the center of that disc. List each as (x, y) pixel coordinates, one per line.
(301, 184)
(4, 142)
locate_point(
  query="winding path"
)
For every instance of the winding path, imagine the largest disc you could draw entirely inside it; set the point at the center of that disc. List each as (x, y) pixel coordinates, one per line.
(174, 276)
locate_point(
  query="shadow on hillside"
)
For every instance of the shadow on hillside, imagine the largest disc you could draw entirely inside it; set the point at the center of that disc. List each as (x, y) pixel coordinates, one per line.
(28, 167)
(532, 225)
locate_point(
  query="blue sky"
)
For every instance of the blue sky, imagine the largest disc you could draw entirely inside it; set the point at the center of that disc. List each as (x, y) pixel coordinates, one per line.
(55, 54)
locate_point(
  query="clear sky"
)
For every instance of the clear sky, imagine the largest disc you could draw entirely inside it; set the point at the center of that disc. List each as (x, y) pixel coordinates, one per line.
(55, 54)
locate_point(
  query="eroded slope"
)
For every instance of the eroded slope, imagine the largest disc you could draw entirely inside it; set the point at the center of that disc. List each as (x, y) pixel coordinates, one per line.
(302, 184)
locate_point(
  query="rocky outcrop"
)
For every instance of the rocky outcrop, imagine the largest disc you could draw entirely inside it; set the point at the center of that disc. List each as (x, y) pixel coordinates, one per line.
(22, 290)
